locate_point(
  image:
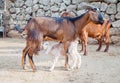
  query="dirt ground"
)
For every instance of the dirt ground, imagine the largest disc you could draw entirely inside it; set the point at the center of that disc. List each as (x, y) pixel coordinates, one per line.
(97, 67)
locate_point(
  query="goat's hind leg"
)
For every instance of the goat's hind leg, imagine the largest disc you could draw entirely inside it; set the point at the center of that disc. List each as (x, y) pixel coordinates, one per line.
(107, 42)
(107, 47)
(25, 52)
(30, 55)
(100, 44)
(85, 50)
(74, 61)
(78, 61)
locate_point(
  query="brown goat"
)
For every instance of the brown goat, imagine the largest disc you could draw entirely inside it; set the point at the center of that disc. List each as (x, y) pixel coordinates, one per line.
(96, 31)
(64, 30)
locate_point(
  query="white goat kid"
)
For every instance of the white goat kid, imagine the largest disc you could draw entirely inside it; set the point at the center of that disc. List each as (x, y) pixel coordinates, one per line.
(55, 50)
(58, 49)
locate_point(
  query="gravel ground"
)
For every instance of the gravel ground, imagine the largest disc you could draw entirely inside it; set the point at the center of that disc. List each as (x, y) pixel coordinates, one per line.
(97, 67)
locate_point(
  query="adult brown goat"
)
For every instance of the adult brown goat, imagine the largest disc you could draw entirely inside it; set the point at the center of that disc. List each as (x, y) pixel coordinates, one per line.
(62, 29)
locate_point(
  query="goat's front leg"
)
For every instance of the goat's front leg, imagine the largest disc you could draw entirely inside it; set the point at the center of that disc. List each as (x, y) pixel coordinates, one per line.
(66, 56)
(55, 59)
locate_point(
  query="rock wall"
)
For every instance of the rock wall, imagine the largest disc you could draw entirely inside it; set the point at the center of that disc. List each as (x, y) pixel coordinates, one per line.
(21, 10)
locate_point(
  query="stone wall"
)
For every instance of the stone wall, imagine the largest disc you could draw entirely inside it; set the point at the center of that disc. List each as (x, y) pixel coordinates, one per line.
(1, 4)
(21, 10)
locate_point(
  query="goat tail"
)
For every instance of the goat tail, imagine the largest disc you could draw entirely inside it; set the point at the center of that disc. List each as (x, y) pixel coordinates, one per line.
(109, 22)
(34, 48)
(33, 40)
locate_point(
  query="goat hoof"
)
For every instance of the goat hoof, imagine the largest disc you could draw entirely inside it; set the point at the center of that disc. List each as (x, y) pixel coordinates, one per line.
(24, 67)
(72, 68)
(68, 69)
(98, 49)
(66, 66)
(51, 69)
(34, 69)
(105, 50)
(85, 54)
(78, 67)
